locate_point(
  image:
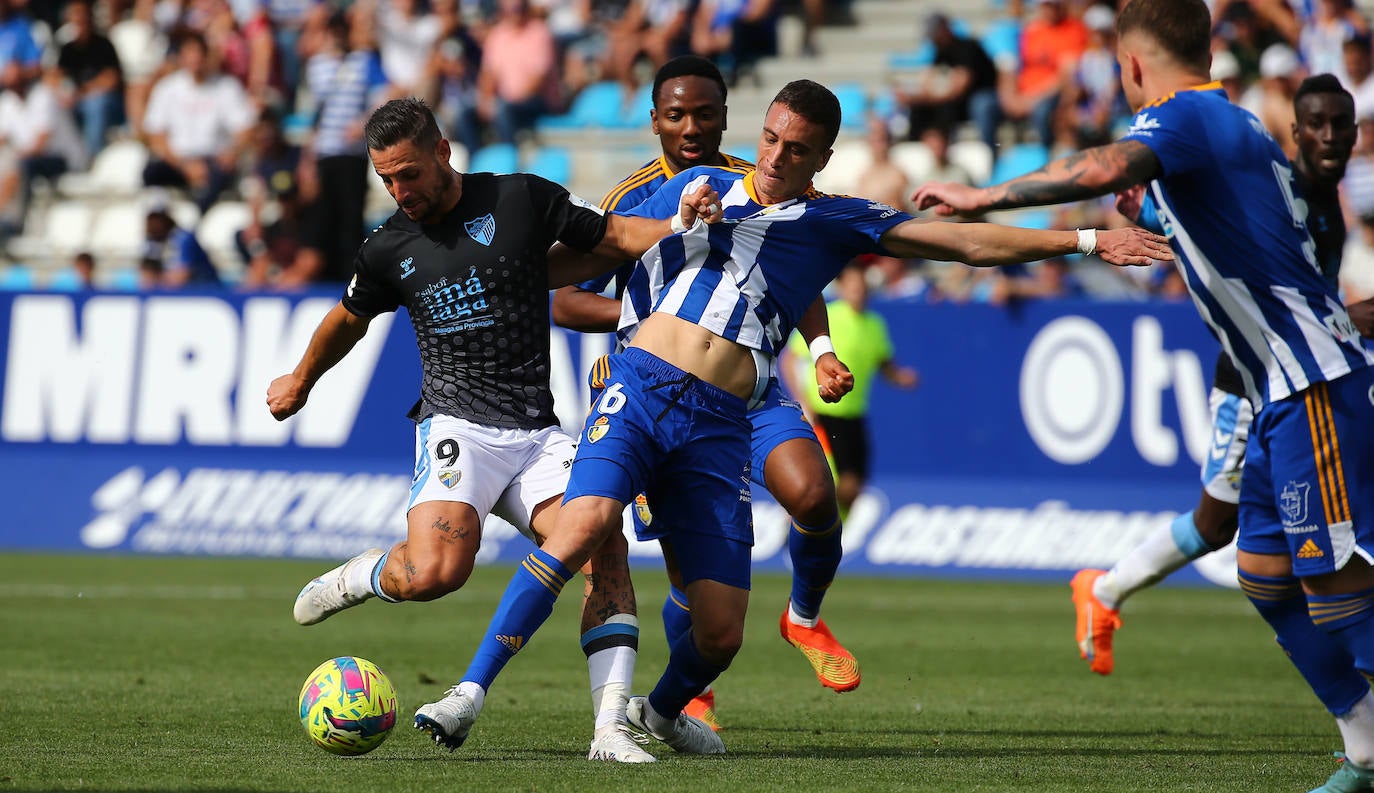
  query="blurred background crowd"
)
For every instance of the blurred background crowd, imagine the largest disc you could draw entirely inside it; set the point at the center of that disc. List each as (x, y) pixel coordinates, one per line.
(160, 143)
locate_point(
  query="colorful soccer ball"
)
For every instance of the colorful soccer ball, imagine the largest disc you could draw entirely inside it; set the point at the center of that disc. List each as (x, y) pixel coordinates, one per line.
(348, 706)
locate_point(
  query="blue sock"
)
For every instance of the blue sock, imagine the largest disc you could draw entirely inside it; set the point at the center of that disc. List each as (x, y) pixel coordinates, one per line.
(687, 675)
(1349, 619)
(1323, 662)
(677, 615)
(528, 601)
(1187, 538)
(815, 558)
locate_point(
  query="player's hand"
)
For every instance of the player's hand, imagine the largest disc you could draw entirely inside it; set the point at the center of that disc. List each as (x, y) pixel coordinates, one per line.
(905, 377)
(1133, 245)
(1130, 200)
(1362, 314)
(949, 198)
(833, 378)
(286, 396)
(702, 203)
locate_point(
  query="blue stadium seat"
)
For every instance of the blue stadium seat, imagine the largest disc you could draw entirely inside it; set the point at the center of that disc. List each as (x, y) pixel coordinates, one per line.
(597, 105)
(853, 105)
(1018, 160)
(16, 278)
(924, 53)
(495, 158)
(553, 163)
(125, 280)
(635, 113)
(65, 280)
(1002, 39)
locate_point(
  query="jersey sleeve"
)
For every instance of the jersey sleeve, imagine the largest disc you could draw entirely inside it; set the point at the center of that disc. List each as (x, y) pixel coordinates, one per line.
(367, 295)
(665, 201)
(571, 220)
(1149, 215)
(1173, 131)
(862, 223)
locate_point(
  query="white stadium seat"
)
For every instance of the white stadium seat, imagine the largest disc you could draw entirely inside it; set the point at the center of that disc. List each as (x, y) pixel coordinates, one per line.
(119, 231)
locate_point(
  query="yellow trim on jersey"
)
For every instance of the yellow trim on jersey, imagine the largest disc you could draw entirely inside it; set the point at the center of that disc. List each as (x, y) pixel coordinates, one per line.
(1327, 450)
(544, 574)
(645, 174)
(826, 532)
(601, 369)
(1212, 86)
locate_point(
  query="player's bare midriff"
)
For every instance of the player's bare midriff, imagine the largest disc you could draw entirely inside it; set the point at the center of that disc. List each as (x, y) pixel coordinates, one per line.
(694, 349)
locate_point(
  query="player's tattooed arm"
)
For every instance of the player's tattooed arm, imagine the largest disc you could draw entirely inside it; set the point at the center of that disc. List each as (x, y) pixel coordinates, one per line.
(1085, 174)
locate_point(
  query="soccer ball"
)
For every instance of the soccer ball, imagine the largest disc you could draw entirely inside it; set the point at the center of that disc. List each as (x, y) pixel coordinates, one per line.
(348, 706)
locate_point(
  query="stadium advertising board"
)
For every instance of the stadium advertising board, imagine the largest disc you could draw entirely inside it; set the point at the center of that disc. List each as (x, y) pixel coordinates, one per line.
(1042, 439)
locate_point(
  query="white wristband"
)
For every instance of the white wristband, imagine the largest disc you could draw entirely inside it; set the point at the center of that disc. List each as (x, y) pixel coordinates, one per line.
(1087, 241)
(678, 226)
(820, 346)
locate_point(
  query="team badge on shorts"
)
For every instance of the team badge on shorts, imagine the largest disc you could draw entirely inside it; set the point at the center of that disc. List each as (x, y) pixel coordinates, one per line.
(598, 429)
(642, 509)
(1293, 502)
(450, 476)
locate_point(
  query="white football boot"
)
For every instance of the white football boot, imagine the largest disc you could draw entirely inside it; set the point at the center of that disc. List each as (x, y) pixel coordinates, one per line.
(617, 744)
(329, 593)
(689, 735)
(449, 720)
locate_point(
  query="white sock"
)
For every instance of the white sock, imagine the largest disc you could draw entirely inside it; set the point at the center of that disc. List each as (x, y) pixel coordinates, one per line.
(474, 692)
(1145, 565)
(358, 579)
(658, 725)
(611, 671)
(797, 619)
(1357, 728)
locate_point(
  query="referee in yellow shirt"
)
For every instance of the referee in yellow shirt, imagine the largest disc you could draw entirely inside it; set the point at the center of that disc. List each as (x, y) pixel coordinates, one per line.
(862, 342)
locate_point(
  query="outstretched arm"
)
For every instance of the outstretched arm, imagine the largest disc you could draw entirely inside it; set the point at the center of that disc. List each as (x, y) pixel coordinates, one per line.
(1085, 174)
(338, 332)
(991, 245)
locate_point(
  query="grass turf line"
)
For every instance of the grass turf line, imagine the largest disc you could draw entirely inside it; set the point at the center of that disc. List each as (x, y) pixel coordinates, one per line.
(171, 674)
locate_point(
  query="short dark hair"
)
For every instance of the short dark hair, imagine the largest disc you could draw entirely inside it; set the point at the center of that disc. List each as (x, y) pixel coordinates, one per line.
(815, 103)
(689, 66)
(402, 120)
(1321, 84)
(1183, 28)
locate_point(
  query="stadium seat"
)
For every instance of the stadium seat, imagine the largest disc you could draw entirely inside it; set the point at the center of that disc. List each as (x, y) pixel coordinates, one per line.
(16, 278)
(116, 171)
(139, 46)
(119, 231)
(216, 233)
(67, 227)
(975, 157)
(64, 280)
(1002, 42)
(853, 105)
(553, 163)
(457, 159)
(495, 158)
(1019, 160)
(841, 175)
(599, 105)
(124, 279)
(635, 113)
(915, 160)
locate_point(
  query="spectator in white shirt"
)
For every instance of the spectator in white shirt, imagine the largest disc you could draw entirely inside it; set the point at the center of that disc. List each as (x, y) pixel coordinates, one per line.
(197, 123)
(38, 137)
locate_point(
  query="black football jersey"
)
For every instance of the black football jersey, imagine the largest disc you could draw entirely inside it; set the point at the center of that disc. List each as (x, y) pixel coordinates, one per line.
(476, 287)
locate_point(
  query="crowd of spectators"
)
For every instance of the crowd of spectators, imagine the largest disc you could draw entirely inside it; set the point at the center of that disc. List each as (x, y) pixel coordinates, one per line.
(264, 101)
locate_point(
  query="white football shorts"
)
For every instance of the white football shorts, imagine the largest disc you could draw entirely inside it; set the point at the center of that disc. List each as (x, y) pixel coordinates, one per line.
(497, 470)
(1231, 418)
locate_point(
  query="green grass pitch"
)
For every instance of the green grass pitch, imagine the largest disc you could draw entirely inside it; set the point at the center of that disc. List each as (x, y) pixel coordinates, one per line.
(172, 674)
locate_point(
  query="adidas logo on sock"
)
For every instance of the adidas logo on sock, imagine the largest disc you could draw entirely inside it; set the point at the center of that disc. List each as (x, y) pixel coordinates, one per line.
(1309, 550)
(514, 643)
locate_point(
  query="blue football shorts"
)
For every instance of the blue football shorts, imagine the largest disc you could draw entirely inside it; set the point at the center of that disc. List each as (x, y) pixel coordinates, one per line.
(1308, 488)
(660, 431)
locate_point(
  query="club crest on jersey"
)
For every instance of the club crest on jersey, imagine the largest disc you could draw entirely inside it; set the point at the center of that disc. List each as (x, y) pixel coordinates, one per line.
(642, 509)
(407, 267)
(1143, 125)
(598, 429)
(1293, 502)
(450, 476)
(482, 229)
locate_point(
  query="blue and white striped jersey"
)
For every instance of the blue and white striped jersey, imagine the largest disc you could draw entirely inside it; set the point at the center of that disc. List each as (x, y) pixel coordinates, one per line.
(751, 277)
(1227, 202)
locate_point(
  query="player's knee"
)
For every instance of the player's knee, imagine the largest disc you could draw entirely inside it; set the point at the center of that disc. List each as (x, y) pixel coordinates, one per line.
(812, 502)
(719, 644)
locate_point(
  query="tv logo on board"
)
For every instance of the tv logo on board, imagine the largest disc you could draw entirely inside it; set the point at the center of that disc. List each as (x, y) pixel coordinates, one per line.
(1074, 389)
